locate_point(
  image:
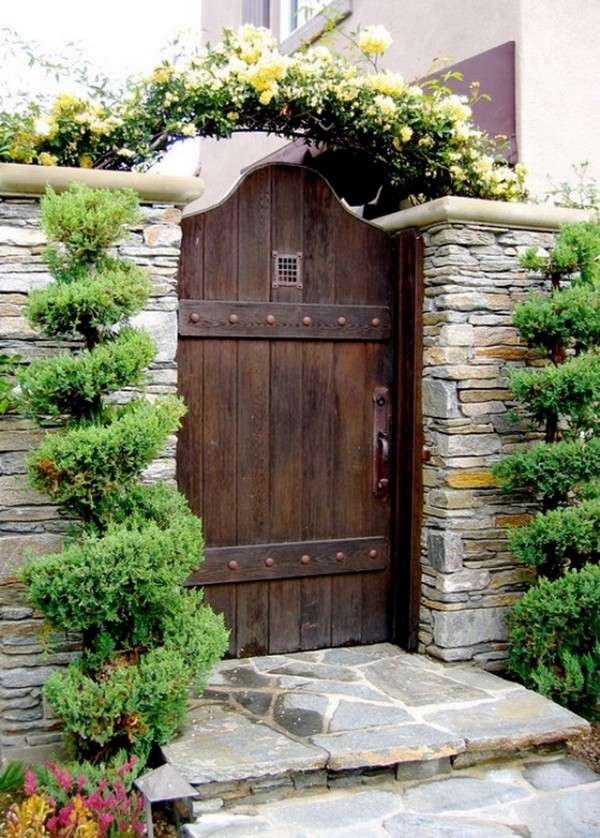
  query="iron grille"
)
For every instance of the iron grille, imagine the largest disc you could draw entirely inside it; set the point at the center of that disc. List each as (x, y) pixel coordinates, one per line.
(287, 270)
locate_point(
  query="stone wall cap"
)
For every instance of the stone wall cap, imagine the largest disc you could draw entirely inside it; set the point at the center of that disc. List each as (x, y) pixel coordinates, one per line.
(22, 180)
(451, 209)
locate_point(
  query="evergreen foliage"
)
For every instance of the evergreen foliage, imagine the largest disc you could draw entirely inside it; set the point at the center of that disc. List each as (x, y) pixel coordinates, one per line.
(145, 638)
(554, 642)
(85, 307)
(554, 637)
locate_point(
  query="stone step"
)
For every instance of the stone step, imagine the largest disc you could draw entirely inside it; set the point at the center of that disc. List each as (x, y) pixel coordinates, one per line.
(338, 716)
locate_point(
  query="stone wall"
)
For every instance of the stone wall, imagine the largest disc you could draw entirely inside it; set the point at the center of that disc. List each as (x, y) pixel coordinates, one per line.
(473, 279)
(27, 520)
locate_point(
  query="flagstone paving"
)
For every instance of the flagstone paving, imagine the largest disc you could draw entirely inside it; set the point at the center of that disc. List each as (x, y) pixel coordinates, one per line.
(374, 741)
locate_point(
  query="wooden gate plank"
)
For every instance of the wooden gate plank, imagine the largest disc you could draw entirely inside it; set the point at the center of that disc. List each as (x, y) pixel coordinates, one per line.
(315, 613)
(291, 559)
(352, 482)
(287, 321)
(287, 235)
(252, 427)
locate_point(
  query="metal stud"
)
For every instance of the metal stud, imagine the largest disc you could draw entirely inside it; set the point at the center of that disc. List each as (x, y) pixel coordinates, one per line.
(233, 565)
(233, 319)
(269, 562)
(195, 317)
(304, 559)
(270, 318)
(341, 321)
(376, 322)
(306, 321)
(340, 557)
(373, 554)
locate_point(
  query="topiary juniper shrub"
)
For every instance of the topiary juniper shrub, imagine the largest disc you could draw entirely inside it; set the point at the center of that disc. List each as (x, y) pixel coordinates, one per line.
(119, 580)
(554, 639)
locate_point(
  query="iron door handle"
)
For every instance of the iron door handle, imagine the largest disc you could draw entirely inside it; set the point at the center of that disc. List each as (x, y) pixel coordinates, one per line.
(383, 458)
(381, 442)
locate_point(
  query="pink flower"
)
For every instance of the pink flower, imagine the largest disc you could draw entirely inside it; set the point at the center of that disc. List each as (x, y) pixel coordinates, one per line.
(104, 822)
(52, 823)
(65, 780)
(127, 766)
(30, 785)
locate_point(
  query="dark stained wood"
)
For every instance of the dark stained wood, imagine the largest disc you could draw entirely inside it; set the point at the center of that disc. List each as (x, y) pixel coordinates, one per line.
(276, 450)
(316, 608)
(290, 321)
(248, 562)
(252, 443)
(408, 504)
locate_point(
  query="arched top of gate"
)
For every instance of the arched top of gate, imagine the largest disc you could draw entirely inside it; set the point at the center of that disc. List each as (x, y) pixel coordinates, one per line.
(192, 210)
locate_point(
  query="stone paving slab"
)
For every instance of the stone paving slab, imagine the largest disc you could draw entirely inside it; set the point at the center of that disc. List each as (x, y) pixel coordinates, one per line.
(516, 720)
(491, 802)
(387, 746)
(349, 709)
(224, 746)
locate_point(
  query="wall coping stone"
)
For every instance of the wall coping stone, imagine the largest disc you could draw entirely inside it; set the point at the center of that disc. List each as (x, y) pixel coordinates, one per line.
(23, 180)
(452, 209)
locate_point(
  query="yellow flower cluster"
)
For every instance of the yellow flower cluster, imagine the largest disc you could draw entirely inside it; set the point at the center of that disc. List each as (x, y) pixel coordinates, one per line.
(424, 137)
(386, 105)
(264, 75)
(254, 40)
(373, 40)
(80, 112)
(389, 84)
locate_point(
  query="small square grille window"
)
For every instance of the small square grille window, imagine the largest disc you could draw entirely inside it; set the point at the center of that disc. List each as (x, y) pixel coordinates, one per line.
(287, 270)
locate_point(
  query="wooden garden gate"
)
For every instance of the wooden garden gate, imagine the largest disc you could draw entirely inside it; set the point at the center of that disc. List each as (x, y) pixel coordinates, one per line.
(296, 451)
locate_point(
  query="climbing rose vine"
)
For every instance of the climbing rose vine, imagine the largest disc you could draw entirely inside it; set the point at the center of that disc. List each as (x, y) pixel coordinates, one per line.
(425, 137)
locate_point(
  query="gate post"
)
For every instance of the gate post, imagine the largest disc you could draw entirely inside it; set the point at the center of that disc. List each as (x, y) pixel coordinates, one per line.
(472, 279)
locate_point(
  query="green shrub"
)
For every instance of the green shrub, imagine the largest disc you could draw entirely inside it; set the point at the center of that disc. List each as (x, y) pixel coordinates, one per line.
(76, 384)
(82, 224)
(8, 366)
(569, 392)
(554, 630)
(87, 468)
(131, 702)
(569, 536)
(563, 320)
(91, 584)
(84, 306)
(576, 251)
(551, 472)
(554, 639)
(147, 640)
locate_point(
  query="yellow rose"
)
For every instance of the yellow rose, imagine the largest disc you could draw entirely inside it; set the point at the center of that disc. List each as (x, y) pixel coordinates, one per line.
(385, 104)
(373, 40)
(45, 159)
(266, 96)
(389, 84)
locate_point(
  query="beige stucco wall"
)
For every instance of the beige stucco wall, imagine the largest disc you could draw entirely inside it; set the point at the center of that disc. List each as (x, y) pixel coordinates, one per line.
(558, 114)
(559, 104)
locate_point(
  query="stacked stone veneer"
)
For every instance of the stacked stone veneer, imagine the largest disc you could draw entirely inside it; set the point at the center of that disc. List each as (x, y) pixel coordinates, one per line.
(472, 280)
(27, 520)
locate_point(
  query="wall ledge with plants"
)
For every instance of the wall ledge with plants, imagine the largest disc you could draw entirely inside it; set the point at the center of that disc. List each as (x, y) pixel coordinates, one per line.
(26, 180)
(453, 209)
